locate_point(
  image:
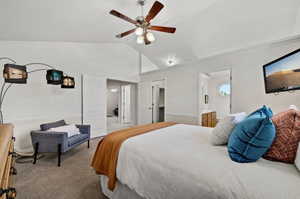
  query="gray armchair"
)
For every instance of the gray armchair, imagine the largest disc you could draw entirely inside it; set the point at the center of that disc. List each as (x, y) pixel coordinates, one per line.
(44, 141)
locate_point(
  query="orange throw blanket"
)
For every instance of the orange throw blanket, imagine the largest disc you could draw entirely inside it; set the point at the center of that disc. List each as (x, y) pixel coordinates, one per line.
(106, 156)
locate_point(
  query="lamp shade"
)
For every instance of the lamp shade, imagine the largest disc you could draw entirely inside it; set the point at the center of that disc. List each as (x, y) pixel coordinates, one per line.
(68, 82)
(54, 77)
(16, 74)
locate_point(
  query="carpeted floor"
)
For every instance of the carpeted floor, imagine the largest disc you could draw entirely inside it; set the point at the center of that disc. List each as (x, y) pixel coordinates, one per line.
(73, 180)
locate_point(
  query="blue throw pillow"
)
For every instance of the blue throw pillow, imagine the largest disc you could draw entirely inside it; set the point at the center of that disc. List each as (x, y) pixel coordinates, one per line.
(252, 137)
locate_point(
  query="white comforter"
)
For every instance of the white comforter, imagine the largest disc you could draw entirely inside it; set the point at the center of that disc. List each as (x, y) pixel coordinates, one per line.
(178, 162)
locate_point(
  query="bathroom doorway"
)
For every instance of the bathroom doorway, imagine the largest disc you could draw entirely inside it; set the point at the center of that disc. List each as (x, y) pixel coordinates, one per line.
(215, 93)
(121, 104)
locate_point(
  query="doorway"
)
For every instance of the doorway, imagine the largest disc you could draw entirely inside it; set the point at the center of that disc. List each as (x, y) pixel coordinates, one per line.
(158, 101)
(121, 104)
(215, 93)
(152, 101)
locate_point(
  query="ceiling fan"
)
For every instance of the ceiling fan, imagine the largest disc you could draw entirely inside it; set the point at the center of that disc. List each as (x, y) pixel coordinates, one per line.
(143, 25)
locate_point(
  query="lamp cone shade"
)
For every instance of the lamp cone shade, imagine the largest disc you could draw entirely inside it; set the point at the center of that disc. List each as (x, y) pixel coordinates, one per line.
(68, 82)
(15, 74)
(54, 77)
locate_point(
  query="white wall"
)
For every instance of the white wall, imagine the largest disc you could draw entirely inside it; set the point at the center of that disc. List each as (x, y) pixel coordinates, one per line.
(27, 106)
(94, 104)
(248, 84)
(134, 103)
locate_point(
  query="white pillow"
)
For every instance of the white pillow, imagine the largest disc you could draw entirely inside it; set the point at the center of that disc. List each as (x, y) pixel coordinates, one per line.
(238, 117)
(222, 131)
(293, 107)
(297, 160)
(70, 129)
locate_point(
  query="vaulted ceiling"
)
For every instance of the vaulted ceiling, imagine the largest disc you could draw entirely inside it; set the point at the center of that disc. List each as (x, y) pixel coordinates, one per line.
(204, 27)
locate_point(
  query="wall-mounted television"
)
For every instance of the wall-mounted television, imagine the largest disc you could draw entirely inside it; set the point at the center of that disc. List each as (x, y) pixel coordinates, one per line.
(283, 74)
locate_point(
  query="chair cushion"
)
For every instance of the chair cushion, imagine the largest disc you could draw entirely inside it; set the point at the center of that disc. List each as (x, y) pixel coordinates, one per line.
(252, 137)
(47, 126)
(77, 139)
(284, 147)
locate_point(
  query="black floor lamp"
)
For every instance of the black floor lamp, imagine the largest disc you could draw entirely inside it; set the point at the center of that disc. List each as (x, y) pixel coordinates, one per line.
(18, 74)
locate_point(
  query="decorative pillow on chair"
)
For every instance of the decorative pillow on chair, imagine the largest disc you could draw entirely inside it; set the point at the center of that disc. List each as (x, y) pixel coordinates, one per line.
(222, 131)
(293, 107)
(252, 137)
(70, 129)
(284, 147)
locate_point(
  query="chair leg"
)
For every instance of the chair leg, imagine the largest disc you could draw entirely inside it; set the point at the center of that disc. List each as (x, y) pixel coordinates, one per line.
(59, 155)
(88, 144)
(36, 150)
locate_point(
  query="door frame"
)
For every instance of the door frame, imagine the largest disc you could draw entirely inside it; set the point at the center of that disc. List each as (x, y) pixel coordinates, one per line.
(122, 103)
(164, 80)
(134, 84)
(200, 92)
(151, 105)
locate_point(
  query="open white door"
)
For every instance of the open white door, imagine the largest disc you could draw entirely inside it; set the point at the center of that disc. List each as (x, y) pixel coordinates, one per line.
(158, 100)
(145, 103)
(126, 104)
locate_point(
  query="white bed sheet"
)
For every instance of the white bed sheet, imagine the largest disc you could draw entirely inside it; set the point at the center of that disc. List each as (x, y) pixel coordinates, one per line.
(179, 162)
(121, 191)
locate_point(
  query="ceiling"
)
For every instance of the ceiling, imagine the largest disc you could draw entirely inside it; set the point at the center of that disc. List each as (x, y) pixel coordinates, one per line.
(204, 27)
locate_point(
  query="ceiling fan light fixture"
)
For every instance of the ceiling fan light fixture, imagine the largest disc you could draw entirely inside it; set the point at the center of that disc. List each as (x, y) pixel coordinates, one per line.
(150, 37)
(140, 39)
(143, 23)
(139, 31)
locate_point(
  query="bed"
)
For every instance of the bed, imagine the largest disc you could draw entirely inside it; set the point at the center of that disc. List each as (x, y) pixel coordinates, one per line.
(178, 162)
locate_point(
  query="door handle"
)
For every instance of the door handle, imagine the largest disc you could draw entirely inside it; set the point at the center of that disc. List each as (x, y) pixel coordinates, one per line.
(150, 108)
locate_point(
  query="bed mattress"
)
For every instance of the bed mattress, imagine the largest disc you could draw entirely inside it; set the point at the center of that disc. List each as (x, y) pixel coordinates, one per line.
(179, 162)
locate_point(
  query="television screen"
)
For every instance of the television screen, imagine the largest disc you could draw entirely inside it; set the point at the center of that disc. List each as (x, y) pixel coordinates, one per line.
(283, 74)
(15, 74)
(54, 77)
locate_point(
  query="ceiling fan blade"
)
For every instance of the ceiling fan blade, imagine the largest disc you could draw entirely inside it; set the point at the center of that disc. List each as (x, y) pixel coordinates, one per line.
(156, 8)
(121, 16)
(163, 29)
(125, 33)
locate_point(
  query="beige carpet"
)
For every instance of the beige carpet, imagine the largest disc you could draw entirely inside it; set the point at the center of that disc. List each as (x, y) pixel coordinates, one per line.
(73, 180)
